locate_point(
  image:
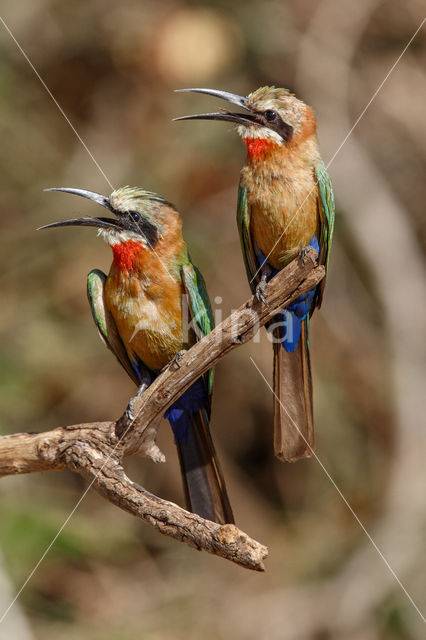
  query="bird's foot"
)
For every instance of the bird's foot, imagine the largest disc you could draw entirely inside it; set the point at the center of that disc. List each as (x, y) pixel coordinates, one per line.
(260, 289)
(129, 414)
(175, 361)
(303, 253)
(130, 407)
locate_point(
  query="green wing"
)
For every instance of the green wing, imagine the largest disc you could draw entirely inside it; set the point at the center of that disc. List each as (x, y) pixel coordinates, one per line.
(249, 254)
(199, 307)
(326, 211)
(107, 328)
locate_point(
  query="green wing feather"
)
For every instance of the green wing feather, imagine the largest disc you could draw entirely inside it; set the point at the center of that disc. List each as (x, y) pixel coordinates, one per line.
(106, 326)
(326, 210)
(95, 294)
(199, 307)
(249, 254)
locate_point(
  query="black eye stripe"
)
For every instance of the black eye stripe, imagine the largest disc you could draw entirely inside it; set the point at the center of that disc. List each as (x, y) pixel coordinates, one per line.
(134, 221)
(274, 122)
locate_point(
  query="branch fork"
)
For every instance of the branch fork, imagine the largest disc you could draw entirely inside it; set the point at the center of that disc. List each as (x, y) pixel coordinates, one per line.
(95, 450)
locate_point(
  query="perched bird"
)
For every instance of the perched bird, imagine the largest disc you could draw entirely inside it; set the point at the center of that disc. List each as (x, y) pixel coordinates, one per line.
(285, 203)
(139, 310)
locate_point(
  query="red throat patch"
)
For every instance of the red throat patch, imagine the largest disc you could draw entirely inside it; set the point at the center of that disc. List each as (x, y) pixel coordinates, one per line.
(258, 147)
(126, 253)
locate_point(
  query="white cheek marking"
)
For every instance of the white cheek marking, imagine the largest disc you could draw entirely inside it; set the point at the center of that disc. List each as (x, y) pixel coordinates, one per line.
(259, 132)
(113, 237)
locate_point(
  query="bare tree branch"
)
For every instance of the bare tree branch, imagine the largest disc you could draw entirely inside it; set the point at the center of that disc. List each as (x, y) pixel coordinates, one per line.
(95, 450)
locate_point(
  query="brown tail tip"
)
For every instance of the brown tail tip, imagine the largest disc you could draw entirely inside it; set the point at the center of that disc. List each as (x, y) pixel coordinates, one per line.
(294, 436)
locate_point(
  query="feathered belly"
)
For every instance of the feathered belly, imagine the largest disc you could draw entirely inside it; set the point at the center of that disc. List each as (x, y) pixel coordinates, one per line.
(150, 328)
(280, 232)
(283, 206)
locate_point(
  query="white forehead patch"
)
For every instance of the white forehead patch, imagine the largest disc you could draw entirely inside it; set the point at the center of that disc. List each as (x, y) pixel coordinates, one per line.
(112, 237)
(259, 132)
(264, 105)
(122, 200)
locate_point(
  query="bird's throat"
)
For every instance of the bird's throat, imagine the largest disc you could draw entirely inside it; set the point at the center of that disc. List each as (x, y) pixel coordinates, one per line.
(127, 254)
(258, 147)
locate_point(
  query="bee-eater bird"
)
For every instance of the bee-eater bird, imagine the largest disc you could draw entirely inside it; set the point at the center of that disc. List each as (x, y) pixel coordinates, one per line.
(139, 312)
(285, 203)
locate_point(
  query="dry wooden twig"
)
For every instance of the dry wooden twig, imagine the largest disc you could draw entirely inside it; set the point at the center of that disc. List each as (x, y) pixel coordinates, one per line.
(95, 450)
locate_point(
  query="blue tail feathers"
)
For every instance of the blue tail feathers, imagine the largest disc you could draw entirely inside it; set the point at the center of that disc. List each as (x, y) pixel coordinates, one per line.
(289, 321)
(180, 412)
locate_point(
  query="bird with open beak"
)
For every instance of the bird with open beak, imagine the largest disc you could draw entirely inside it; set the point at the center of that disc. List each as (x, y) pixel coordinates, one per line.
(139, 310)
(285, 204)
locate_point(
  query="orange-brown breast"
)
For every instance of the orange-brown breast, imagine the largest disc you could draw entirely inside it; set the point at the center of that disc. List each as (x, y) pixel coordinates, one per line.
(146, 303)
(282, 194)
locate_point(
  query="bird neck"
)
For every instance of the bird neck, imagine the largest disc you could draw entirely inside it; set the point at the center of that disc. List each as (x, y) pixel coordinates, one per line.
(127, 255)
(259, 148)
(133, 257)
(266, 156)
(284, 172)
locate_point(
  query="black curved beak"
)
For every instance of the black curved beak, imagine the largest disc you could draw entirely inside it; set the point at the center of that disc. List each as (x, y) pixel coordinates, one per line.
(236, 118)
(100, 223)
(241, 101)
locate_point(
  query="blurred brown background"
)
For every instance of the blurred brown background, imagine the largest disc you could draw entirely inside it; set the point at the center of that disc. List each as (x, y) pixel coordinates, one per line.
(112, 67)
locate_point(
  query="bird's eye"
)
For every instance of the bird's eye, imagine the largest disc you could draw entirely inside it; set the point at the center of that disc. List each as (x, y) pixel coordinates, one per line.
(270, 115)
(134, 216)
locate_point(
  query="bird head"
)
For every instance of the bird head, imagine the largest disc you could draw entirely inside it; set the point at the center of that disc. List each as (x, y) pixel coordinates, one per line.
(138, 216)
(269, 114)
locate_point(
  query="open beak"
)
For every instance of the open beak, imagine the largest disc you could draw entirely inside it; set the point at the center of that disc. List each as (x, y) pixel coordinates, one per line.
(229, 116)
(99, 223)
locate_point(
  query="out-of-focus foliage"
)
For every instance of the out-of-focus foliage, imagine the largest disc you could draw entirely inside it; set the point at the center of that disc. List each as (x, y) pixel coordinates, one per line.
(112, 68)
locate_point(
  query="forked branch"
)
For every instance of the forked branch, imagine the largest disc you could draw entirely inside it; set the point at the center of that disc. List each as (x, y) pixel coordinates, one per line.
(95, 450)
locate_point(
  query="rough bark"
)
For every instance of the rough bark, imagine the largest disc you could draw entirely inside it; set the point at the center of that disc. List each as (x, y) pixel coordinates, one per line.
(95, 450)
